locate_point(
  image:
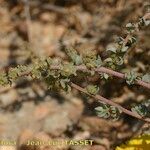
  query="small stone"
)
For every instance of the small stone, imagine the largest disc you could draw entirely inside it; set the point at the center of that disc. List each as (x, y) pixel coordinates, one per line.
(56, 124)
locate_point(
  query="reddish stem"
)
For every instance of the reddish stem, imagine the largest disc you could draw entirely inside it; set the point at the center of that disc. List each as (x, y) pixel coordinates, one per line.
(107, 101)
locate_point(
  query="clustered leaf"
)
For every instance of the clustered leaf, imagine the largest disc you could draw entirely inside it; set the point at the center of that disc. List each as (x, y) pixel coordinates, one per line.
(143, 22)
(91, 59)
(22, 69)
(130, 27)
(124, 49)
(75, 57)
(118, 51)
(107, 111)
(130, 77)
(36, 69)
(104, 76)
(121, 46)
(142, 109)
(68, 70)
(131, 41)
(12, 74)
(92, 89)
(3, 79)
(117, 60)
(65, 84)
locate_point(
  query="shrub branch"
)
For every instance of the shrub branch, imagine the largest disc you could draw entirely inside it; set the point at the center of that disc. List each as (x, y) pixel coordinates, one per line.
(107, 101)
(59, 74)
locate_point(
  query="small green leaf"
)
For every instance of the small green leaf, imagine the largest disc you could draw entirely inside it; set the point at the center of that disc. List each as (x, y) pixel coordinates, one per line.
(93, 60)
(68, 70)
(92, 89)
(142, 109)
(108, 60)
(112, 47)
(72, 53)
(130, 77)
(130, 27)
(65, 84)
(124, 49)
(107, 111)
(118, 60)
(132, 40)
(144, 22)
(3, 79)
(120, 40)
(13, 73)
(103, 111)
(36, 73)
(104, 76)
(98, 61)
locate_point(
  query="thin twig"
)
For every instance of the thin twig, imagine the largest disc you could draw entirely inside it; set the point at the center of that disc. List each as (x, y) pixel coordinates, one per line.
(113, 73)
(55, 8)
(121, 75)
(49, 7)
(28, 20)
(107, 101)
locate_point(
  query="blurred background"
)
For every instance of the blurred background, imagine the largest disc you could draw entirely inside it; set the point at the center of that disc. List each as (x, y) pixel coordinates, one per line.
(47, 27)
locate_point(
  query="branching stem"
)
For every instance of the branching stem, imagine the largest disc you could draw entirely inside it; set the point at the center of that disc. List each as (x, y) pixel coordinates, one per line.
(107, 101)
(113, 73)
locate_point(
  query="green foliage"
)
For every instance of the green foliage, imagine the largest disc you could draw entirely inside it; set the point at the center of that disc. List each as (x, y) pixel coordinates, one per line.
(92, 89)
(143, 22)
(58, 74)
(91, 59)
(124, 49)
(142, 109)
(130, 27)
(35, 69)
(130, 77)
(104, 76)
(68, 70)
(3, 79)
(118, 51)
(76, 59)
(107, 111)
(65, 84)
(12, 74)
(131, 41)
(112, 47)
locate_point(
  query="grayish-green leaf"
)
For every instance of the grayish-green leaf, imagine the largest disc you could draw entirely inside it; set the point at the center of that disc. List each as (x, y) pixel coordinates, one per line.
(92, 89)
(124, 49)
(112, 47)
(68, 70)
(130, 77)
